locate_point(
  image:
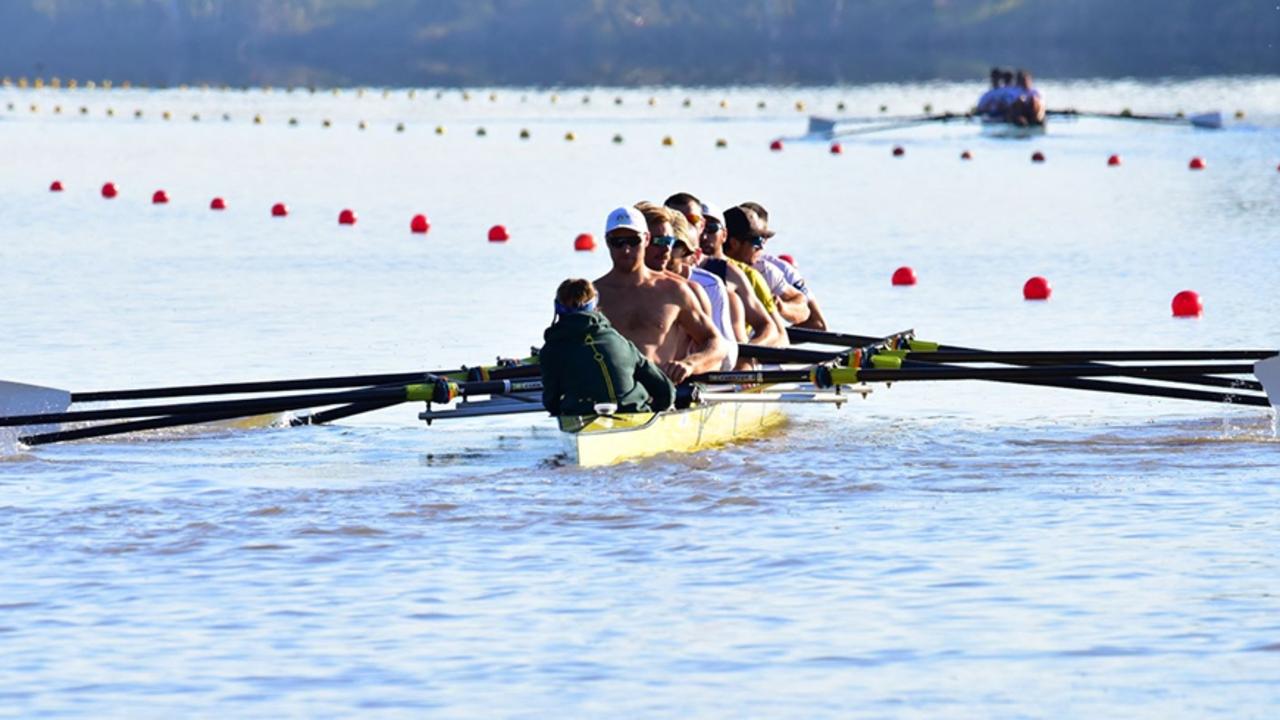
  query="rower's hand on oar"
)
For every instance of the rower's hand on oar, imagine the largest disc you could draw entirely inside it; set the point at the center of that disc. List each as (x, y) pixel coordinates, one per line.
(678, 370)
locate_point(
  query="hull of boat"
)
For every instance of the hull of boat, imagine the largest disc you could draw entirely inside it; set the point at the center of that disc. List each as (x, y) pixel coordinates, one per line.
(1000, 129)
(593, 441)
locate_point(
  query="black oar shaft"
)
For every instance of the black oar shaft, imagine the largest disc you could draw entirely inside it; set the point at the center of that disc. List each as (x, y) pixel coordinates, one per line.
(1083, 356)
(131, 426)
(927, 371)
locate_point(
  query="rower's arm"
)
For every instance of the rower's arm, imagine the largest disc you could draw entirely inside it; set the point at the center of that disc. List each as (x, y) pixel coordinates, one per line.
(793, 306)
(550, 367)
(662, 393)
(702, 332)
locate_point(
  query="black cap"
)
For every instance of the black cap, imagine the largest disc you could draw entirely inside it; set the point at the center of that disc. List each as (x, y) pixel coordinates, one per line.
(742, 223)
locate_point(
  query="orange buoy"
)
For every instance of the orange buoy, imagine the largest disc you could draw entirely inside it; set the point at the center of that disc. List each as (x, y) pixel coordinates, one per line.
(904, 276)
(109, 190)
(159, 197)
(498, 233)
(1037, 288)
(584, 243)
(217, 204)
(55, 186)
(837, 148)
(279, 210)
(347, 217)
(419, 224)
(1187, 304)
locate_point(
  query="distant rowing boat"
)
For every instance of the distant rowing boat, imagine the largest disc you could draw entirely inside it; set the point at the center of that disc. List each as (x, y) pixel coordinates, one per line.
(998, 128)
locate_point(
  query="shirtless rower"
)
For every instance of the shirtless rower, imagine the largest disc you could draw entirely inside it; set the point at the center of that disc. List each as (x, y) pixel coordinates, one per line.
(761, 320)
(673, 248)
(747, 235)
(655, 310)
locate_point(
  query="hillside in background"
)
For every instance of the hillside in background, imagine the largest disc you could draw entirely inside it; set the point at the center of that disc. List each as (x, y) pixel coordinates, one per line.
(628, 42)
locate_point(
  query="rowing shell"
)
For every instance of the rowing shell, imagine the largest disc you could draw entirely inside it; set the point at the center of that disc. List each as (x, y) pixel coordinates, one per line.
(1001, 129)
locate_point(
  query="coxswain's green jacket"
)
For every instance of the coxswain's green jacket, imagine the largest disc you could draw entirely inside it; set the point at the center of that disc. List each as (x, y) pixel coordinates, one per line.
(585, 362)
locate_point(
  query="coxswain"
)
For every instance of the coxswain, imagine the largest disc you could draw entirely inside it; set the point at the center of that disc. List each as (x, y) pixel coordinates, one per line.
(587, 365)
(746, 236)
(654, 309)
(789, 273)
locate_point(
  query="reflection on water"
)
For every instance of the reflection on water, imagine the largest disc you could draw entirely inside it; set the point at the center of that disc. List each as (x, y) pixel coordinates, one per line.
(947, 549)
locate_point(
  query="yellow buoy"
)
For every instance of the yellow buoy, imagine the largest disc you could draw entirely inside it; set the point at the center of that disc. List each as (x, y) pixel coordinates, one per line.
(72, 84)
(195, 117)
(524, 134)
(35, 107)
(386, 94)
(653, 101)
(466, 96)
(55, 82)
(362, 125)
(126, 85)
(57, 109)
(111, 113)
(439, 129)
(493, 97)
(257, 119)
(617, 100)
(722, 143)
(668, 141)
(481, 132)
(226, 117)
(724, 103)
(884, 108)
(799, 106)
(137, 113)
(928, 108)
(22, 82)
(326, 123)
(106, 85)
(39, 83)
(1239, 114)
(413, 94)
(293, 122)
(688, 102)
(840, 106)
(554, 98)
(761, 105)
(400, 127)
(617, 139)
(570, 137)
(586, 99)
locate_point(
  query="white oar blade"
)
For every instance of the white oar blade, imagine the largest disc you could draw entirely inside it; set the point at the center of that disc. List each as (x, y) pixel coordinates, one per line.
(23, 399)
(1209, 121)
(1268, 373)
(821, 126)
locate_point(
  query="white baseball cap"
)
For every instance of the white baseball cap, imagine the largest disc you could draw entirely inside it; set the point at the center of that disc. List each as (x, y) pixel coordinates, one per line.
(711, 212)
(627, 218)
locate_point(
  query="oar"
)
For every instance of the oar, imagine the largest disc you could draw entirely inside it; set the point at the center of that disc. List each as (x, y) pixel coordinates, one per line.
(520, 368)
(848, 340)
(1206, 120)
(905, 123)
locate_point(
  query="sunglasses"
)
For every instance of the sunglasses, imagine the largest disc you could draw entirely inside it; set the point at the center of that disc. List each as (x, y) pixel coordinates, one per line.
(621, 241)
(712, 227)
(663, 240)
(755, 240)
(693, 218)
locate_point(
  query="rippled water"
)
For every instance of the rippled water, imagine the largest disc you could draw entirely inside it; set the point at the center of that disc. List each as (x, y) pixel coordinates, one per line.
(951, 550)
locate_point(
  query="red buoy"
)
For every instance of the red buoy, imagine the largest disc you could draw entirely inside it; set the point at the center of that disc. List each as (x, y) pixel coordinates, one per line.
(899, 151)
(419, 224)
(904, 276)
(347, 217)
(217, 204)
(776, 145)
(966, 155)
(1037, 157)
(789, 260)
(1113, 161)
(837, 148)
(498, 233)
(279, 210)
(159, 197)
(1196, 164)
(1187, 304)
(109, 190)
(55, 186)
(584, 243)
(1037, 288)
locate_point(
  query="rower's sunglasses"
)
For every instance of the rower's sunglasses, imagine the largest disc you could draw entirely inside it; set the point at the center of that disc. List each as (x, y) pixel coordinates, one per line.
(663, 240)
(623, 241)
(712, 227)
(756, 240)
(693, 218)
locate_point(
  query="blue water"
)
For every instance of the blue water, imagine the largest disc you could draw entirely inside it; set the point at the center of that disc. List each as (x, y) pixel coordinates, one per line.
(939, 550)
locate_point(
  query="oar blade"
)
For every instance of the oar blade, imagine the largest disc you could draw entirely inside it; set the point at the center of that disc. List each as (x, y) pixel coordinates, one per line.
(23, 399)
(1208, 121)
(821, 127)
(1268, 373)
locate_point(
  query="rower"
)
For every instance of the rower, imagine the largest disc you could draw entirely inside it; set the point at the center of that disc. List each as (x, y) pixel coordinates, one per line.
(589, 368)
(747, 236)
(993, 101)
(653, 309)
(681, 261)
(759, 314)
(1028, 108)
(790, 273)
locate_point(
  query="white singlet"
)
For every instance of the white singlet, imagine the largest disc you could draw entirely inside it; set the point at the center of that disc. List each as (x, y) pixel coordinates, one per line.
(718, 293)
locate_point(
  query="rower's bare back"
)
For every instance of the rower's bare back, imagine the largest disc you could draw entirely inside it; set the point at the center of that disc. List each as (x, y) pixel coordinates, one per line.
(647, 314)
